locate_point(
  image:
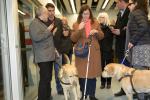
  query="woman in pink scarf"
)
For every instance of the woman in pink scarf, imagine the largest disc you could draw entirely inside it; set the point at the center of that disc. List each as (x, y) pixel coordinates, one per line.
(85, 27)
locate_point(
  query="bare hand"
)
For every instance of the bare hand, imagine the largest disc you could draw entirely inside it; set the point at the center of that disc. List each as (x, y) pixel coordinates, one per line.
(54, 31)
(116, 31)
(50, 27)
(66, 33)
(130, 45)
(81, 25)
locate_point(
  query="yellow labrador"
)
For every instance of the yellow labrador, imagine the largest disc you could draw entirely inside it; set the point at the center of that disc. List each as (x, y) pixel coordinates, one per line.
(130, 78)
(69, 80)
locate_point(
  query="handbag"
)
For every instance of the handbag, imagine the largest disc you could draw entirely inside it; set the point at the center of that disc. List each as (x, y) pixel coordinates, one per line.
(81, 50)
(141, 55)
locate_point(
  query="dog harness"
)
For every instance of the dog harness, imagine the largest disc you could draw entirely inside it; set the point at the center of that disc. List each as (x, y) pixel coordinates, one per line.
(65, 83)
(131, 76)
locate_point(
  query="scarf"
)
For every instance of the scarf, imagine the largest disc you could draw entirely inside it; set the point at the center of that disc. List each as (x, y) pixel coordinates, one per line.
(87, 28)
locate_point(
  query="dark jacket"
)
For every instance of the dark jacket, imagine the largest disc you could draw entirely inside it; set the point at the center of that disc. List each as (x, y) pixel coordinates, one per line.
(138, 28)
(106, 43)
(121, 23)
(58, 35)
(67, 41)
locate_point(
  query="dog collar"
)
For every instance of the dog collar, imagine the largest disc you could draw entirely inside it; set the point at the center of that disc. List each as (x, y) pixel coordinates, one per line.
(65, 82)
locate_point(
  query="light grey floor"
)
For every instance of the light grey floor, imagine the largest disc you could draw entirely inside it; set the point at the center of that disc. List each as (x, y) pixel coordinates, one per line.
(101, 94)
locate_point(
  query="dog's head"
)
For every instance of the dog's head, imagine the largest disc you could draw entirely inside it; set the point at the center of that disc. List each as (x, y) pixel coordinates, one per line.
(67, 70)
(115, 70)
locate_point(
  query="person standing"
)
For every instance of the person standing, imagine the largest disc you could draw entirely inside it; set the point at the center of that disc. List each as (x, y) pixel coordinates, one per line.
(57, 43)
(139, 37)
(66, 38)
(106, 46)
(84, 28)
(44, 51)
(120, 33)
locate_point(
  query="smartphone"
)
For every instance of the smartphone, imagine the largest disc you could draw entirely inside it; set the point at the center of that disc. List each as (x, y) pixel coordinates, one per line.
(53, 27)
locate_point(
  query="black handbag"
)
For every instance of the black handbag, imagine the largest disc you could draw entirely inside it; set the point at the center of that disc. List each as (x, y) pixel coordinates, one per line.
(81, 50)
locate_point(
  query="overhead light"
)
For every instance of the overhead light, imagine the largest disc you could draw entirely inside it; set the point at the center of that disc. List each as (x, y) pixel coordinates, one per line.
(21, 12)
(73, 6)
(105, 3)
(95, 0)
(83, 1)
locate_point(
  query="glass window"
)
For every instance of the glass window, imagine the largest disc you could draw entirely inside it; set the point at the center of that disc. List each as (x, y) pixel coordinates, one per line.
(29, 69)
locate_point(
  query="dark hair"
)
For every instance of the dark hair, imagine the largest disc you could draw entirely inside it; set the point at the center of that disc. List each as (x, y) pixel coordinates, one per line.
(126, 1)
(141, 4)
(83, 8)
(49, 5)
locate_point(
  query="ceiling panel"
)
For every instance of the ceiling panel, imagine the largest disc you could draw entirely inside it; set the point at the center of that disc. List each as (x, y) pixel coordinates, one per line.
(95, 5)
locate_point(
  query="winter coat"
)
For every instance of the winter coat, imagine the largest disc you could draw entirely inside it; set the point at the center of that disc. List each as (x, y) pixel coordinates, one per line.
(121, 24)
(138, 28)
(42, 41)
(95, 56)
(106, 43)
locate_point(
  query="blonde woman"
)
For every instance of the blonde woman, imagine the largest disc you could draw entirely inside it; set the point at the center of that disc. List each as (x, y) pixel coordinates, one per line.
(106, 46)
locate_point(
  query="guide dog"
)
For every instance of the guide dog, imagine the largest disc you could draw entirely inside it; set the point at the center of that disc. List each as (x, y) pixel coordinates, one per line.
(131, 80)
(68, 76)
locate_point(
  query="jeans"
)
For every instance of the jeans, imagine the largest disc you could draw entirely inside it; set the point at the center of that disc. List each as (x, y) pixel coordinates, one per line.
(90, 88)
(57, 65)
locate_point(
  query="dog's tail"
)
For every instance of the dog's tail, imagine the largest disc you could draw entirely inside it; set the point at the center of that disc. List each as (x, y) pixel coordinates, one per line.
(66, 59)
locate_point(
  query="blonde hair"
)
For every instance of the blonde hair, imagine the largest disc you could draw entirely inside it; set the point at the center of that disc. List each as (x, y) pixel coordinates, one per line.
(64, 19)
(105, 16)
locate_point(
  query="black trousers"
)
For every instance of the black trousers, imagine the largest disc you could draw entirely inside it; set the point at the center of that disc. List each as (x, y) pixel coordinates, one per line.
(90, 88)
(104, 62)
(44, 89)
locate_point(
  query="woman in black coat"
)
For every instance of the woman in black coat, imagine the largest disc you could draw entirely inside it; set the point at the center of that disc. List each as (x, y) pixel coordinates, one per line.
(106, 47)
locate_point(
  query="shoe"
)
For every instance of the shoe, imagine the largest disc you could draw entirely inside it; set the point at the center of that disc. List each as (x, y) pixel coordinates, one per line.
(83, 97)
(108, 86)
(93, 98)
(135, 96)
(102, 87)
(61, 92)
(120, 93)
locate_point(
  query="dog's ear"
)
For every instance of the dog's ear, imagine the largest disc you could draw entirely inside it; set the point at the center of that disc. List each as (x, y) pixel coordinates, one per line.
(111, 69)
(62, 72)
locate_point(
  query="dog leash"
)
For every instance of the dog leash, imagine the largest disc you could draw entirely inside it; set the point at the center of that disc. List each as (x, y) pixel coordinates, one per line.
(126, 54)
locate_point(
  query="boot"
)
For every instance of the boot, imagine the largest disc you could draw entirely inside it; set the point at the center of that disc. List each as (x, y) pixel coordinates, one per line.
(102, 87)
(120, 93)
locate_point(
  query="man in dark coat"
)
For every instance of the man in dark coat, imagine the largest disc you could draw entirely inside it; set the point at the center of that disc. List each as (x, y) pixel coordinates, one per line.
(120, 33)
(59, 43)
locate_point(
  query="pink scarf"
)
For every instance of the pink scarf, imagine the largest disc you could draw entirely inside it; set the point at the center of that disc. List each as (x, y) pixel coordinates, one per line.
(87, 28)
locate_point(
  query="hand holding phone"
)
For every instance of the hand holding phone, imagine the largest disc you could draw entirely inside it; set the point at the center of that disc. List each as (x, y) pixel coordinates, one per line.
(51, 27)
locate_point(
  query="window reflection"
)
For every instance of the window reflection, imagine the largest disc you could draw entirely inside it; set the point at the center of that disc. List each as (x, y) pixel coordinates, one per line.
(29, 69)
